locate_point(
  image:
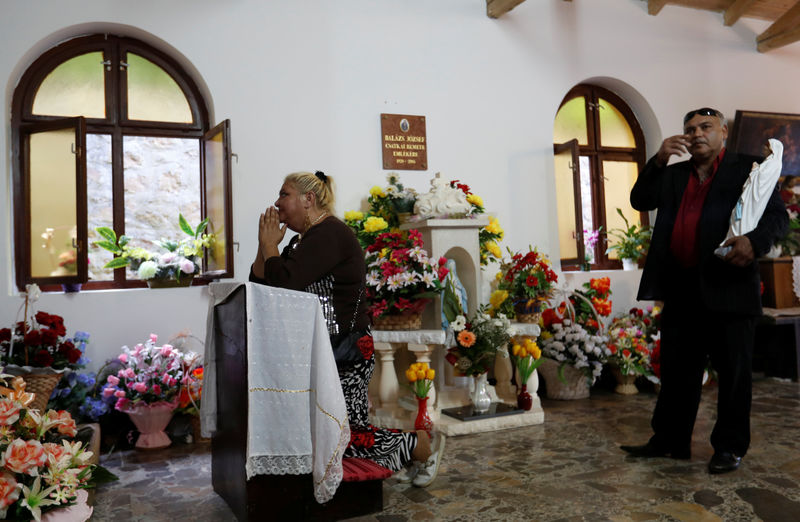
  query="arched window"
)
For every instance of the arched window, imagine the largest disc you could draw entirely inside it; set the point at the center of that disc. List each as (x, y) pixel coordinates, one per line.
(599, 149)
(109, 131)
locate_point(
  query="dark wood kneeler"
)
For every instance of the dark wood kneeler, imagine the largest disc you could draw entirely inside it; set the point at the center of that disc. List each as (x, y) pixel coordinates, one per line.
(271, 497)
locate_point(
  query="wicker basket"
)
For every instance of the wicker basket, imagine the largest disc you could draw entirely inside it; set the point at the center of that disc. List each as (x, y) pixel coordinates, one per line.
(576, 387)
(529, 318)
(398, 322)
(42, 385)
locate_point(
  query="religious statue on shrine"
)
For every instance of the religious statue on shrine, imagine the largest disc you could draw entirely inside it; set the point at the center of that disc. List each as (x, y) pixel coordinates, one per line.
(442, 200)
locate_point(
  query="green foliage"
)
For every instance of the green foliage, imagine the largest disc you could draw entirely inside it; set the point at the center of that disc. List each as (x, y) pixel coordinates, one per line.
(633, 240)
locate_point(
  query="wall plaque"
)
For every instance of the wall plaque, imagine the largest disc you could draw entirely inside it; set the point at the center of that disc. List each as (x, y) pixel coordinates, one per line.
(405, 146)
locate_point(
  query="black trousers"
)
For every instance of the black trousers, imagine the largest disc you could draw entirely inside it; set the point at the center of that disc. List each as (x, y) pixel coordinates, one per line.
(691, 335)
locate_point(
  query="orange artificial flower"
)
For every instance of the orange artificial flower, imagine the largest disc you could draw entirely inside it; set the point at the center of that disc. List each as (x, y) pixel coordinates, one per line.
(466, 338)
(601, 285)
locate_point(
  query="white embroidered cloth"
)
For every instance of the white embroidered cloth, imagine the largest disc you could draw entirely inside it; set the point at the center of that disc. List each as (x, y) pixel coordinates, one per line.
(796, 276)
(755, 195)
(297, 420)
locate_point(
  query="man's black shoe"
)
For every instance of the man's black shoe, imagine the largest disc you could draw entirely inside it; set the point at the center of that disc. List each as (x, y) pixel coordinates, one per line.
(723, 462)
(650, 451)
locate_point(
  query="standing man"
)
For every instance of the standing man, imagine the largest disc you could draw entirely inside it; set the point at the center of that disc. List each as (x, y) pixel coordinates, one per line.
(710, 303)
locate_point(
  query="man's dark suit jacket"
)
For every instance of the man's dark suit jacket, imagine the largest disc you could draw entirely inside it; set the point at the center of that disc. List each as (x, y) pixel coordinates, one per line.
(722, 286)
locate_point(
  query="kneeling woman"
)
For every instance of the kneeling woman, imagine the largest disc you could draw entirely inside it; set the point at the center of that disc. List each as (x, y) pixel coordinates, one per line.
(326, 259)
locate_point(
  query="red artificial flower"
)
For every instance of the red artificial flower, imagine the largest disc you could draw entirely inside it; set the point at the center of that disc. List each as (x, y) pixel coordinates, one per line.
(612, 348)
(48, 337)
(43, 358)
(531, 281)
(626, 353)
(442, 273)
(73, 356)
(376, 309)
(366, 346)
(33, 338)
(5, 335)
(402, 303)
(603, 306)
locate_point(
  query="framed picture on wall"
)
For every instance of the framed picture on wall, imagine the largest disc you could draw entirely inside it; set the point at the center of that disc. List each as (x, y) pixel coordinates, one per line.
(752, 129)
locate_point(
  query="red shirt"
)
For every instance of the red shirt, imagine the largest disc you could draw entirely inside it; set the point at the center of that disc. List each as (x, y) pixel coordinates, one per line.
(684, 233)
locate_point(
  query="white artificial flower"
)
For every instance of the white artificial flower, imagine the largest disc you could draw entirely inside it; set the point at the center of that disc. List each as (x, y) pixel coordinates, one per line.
(147, 270)
(459, 323)
(33, 292)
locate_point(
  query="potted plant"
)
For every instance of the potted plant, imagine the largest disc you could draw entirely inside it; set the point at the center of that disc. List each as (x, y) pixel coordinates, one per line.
(147, 388)
(524, 284)
(632, 242)
(174, 267)
(401, 279)
(43, 469)
(37, 349)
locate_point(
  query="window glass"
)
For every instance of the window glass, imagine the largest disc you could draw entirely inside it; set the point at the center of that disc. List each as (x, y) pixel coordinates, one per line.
(586, 198)
(153, 95)
(99, 201)
(619, 179)
(53, 203)
(565, 203)
(162, 179)
(74, 88)
(571, 122)
(215, 199)
(614, 129)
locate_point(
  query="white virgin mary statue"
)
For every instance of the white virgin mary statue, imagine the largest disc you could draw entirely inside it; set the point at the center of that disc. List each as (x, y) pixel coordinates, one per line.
(755, 195)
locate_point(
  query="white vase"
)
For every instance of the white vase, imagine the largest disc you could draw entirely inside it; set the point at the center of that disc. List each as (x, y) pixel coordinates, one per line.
(629, 264)
(479, 396)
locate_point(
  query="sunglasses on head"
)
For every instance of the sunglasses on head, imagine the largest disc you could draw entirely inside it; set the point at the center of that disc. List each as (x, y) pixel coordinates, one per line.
(705, 111)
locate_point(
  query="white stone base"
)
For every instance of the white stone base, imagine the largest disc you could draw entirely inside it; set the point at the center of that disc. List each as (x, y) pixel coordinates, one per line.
(451, 426)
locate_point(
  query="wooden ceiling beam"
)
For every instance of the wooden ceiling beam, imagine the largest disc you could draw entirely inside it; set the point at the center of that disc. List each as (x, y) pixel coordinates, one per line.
(654, 6)
(497, 8)
(784, 31)
(736, 10)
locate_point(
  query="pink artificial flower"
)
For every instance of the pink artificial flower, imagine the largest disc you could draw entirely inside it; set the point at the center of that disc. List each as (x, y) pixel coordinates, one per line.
(172, 382)
(157, 389)
(55, 450)
(122, 373)
(113, 381)
(121, 404)
(187, 267)
(129, 373)
(119, 394)
(9, 413)
(166, 350)
(153, 337)
(108, 392)
(24, 456)
(165, 379)
(140, 387)
(9, 490)
(123, 358)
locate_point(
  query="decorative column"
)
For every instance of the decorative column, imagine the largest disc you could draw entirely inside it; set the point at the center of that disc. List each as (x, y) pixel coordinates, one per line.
(388, 386)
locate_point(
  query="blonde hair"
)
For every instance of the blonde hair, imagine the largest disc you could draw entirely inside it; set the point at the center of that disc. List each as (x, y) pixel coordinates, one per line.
(318, 183)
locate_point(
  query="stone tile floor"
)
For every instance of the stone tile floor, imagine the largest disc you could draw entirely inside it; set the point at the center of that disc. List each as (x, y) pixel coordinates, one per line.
(567, 469)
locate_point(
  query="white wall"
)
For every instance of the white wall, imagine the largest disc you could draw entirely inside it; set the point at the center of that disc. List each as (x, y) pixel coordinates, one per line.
(304, 82)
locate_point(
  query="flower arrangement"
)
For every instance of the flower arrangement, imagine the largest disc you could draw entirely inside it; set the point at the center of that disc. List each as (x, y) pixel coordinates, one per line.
(181, 259)
(527, 357)
(488, 238)
(474, 200)
(42, 343)
(420, 377)
(191, 391)
(41, 468)
(588, 304)
(627, 342)
(477, 341)
(150, 374)
(401, 278)
(568, 343)
(366, 227)
(632, 241)
(523, 284)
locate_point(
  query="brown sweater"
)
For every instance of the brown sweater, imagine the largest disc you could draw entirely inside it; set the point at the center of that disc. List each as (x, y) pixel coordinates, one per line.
(327, 262)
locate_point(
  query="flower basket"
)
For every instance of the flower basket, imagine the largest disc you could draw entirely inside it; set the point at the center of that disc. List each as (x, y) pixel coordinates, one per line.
(576, 387)
(150, 421)
(39, 381)
(398, 322)
(169, 283)
(531, 317)
(626, 384)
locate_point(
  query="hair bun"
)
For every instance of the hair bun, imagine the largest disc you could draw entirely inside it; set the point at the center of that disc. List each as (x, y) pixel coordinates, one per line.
(321, 176)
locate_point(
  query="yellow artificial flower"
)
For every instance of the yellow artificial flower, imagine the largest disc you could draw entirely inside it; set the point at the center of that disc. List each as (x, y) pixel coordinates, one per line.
(474, 199)
(656, 310)
(494, 226)
(377, 192)
(532, 348)
(411, 375)
(374, 224)
(498, 297)
(499, 276)
(545, 335)
(430, 374)
(516, 349)
(493, 249)
(353, 215)
(421, 374)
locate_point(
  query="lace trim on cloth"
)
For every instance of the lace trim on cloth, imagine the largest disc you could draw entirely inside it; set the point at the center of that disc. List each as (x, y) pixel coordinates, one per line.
(278, 465)
(796, 276)
(325, 488)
